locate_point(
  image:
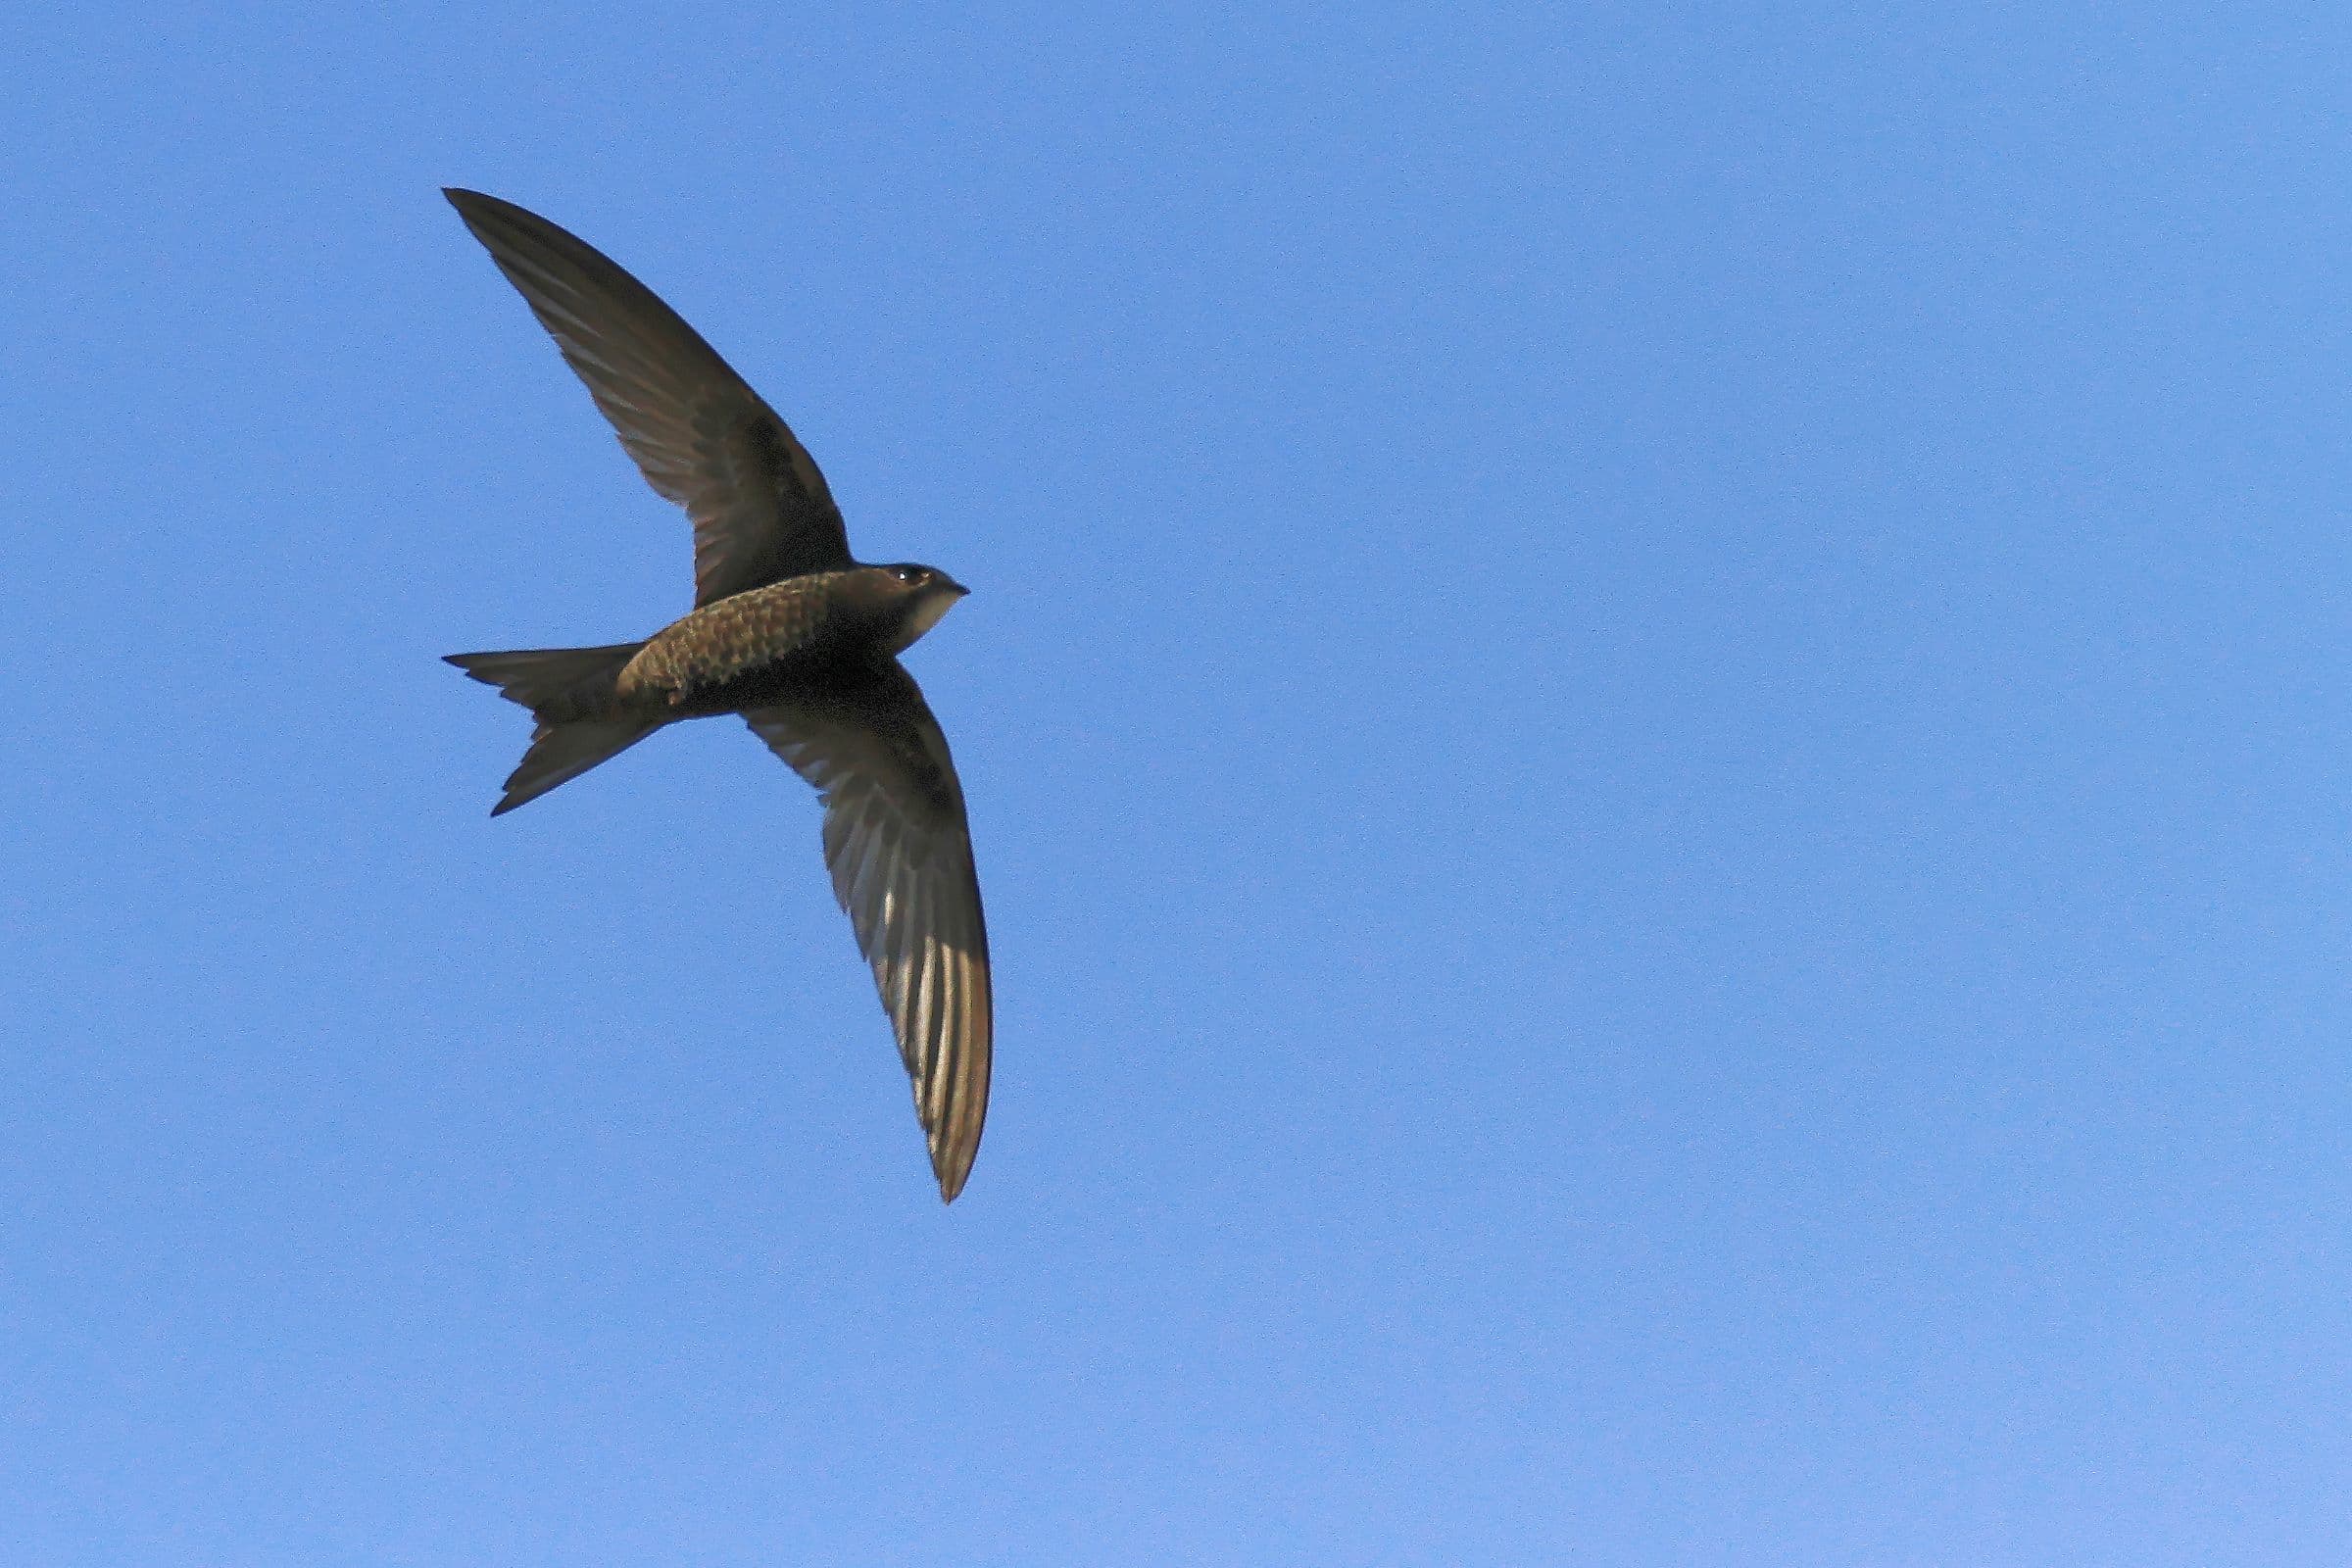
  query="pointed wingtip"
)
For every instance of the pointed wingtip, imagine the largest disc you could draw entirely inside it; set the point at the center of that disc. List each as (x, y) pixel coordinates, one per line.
(951, 1181)
(472, 205)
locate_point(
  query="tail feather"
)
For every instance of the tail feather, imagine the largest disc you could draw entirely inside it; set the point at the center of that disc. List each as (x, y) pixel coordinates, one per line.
(570, 692)
(558, 683)
(563, 752)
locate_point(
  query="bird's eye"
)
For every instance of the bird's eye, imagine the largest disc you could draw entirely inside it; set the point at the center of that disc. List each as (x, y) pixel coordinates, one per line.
(910, 575)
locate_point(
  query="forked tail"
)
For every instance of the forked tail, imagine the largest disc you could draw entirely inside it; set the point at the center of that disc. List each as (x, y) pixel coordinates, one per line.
(570, 692)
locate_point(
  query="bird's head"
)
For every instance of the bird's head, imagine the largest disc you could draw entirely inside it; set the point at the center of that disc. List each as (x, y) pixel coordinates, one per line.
(919, 595)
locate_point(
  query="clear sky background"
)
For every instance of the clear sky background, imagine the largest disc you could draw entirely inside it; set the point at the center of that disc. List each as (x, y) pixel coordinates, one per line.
(1656, 718)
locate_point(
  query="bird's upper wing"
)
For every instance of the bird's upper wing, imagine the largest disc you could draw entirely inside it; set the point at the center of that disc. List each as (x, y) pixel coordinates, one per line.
(901, 855)
(761, 508)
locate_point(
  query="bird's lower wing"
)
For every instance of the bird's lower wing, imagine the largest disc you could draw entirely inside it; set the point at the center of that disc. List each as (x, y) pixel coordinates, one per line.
(901, 855)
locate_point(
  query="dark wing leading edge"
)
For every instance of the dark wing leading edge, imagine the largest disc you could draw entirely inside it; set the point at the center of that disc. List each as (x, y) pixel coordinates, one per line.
(761, 508)
(901, 856)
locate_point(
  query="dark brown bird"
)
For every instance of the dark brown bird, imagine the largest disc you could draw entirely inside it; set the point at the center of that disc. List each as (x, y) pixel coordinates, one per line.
(787, 630)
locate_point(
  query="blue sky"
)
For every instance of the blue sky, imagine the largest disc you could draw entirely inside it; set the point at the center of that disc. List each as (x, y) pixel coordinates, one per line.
(1655, 720)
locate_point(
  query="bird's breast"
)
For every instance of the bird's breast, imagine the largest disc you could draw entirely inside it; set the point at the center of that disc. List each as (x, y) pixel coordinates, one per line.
(763, 632)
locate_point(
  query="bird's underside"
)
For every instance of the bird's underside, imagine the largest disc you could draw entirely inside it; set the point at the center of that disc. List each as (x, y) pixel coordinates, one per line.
(787, 630)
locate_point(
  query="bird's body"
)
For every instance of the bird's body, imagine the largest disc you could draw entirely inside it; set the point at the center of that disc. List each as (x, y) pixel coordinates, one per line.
(726, 656)
(788, 631)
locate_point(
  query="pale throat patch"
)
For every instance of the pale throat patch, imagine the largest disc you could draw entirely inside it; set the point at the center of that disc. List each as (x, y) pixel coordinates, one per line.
(925, 616)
